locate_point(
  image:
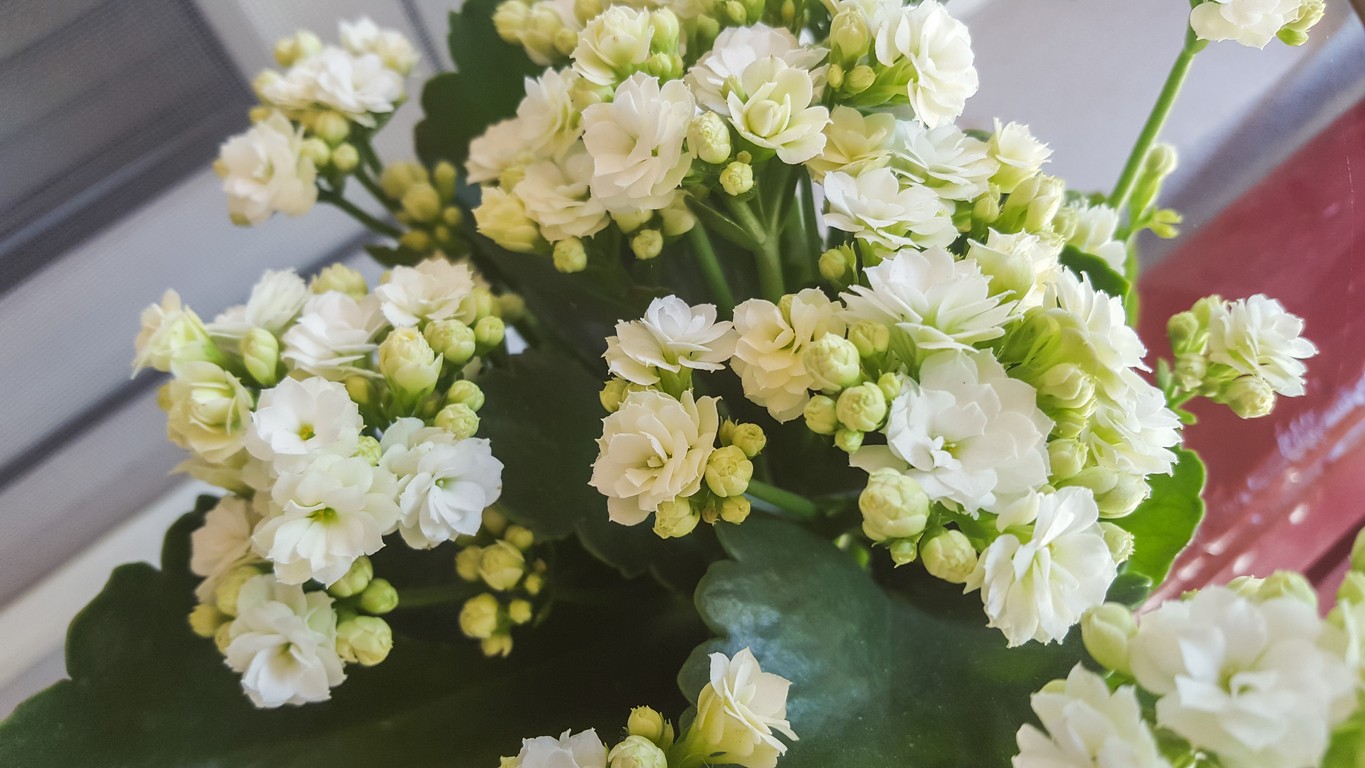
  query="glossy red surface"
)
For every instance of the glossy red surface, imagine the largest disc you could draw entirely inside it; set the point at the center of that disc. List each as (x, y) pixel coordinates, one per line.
(1286, 491)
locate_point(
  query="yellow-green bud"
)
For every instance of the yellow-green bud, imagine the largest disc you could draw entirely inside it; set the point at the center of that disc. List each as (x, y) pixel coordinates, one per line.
(1352, 589)
(820, 415)
(1066, 457)
(748, 438)
(862, 408)
(675, 518)
(533, 584)
(737, 178)
(709, 136)
(369, 449)
(298, 46)
(364, 639)
(629, 221)
(647, 244)
(519, 536)
(870, 338)
(356, 579)
(834, 265)
(735, 509)
(849, 35)
(443, 176)
(331, 127)
(360, 389)
(949, 556)
(848, 440)
(1249, 397)
(904, 551)
(501, 566)
(1119, 541)
(480, 616)
(570, 256)
(340, 278)
(452, 216)
(422, 202)
(450, 339)
(497, 645)
(1107, 631)
(416, 240)
(512, 306)
(467, 393)
(316, 149)
(409, 364)
(677, 219)
(894, 506)
(397, 177)
(205, 620)
(614, 392)
(986, 209)
(859, 79)
(647, 723)
(834, 76)
(890, 384)
(467, 563)
(1296, 31)
(223, 637)
(225, 594)
(833, 363)
(489, 332)
(345, 158)
(520, 611)
(379, 597)
(1289, 584)
(637, 752)
(459, 420)
(479, 304)
(261, 356)
(494, 521)
(728, 471)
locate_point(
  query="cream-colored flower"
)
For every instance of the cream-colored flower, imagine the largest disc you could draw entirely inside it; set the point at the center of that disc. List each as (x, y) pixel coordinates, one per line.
(335, 336)
(948, 161)
(1252, 23)
(209, 411)
(853, 142)
(717, 72)
(1087, 726)
(222, 543)
(613, 44)
(171, 333)
(364, 36)
(670, 337)
(1018, 156)
(444, 483)
(774, 108)
(502, 218)
(432, 290)
(938, 49)
(501, 149)
(274, 303)
(769, 351)
(636, 143)
(283, 643)
(1257, 337)
(570, 750)
(741, 712)
(358, 87)
(556, 196)
(265, 170)
(1020, 266)
(1092, 229)
(299, 419)
(547, 118)
(877, 209)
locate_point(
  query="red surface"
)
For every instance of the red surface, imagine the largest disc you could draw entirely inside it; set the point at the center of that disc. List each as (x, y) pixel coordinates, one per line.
(1286, 491)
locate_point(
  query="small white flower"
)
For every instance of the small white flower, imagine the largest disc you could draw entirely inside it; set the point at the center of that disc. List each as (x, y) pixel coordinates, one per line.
(274, 302)
(222, 543)
(570, 750)
(1133, 431)
(1095, 226)
(948, 161)
(716, 72)
(364, 36)
(1249, 681)
(615, 42)
(770, 345)
(555, 195)
(1022, 263)
(853, 142)
(502, 218)
(1252, 23)
(1087, 726)
(1116, 346)
(445, 483)
(773, 108)
(636, 143)
(209, 411)
(334, 336)
(298, 419)
(547, 117)
(432, 290)
(741, 712)
(501, 148)
(1257, 337)
(171, 333)
(939, 51)
(875, 208)
(1018, 156)
(653, 449)
(966, 432)
(671, 336)
(283, 643)
(264, 170)
(358, 87)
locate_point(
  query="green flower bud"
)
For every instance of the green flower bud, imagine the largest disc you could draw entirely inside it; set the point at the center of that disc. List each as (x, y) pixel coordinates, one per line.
(708, 135)
(748, 438)
(261, 356)
(835, 264)
(450, 339)
(205, 620)
(494, 521)
(480, 616)
(467, 563)
(379, 597)
(497, 645)
(339, 278)
(629, 221)
(675, 518)
(443, 176)
(519, 536)
(637, 752)
(820, 415)
(1352, 589)
(501, 566)
(345, 158)
(396, 178)
(1248, 396)
(316, 149)
(570, 256)
(728, 471)
(949, 556)
(848, 440)
(833, 363)
(422, 202)
(520, 611)
(1119, 541)
(409, 365)
(986, 209)
(1066, 457)
(614, 392)
(849, 36)
(647, 244)
(364, 639)
(737, 178)
(1032, 205)
(648, 724)
(871, 339)
(480, 303)
(1107, 630)
(904, 551)
(300, 45)
(862, 408)
(356, 579)
(735, 509)
(1296, 31)
(459, 420)
(677, 219)
(890, 384)
(225, 594)
(467, 393)
(894, 506)
(360, 389)
(512, 306)
(489, 332)
(1291, 585)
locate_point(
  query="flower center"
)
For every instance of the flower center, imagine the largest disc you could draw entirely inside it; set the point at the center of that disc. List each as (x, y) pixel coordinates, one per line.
(306, 432)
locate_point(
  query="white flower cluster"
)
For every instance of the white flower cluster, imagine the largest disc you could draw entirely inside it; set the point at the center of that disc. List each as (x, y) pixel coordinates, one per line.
(1254, 23)
(740, 714)
(336, 417)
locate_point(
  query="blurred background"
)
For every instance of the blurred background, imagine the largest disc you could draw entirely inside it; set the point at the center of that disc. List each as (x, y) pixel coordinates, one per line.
(111, 112)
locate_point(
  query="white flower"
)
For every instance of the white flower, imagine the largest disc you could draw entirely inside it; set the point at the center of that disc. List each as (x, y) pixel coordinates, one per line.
(264, 170)
(222, 543)
(1018, 156)
(948, 161)
(966, 432)
(502, 218)
(1248, 681)
(274, 302)
(579, 750)
(1022, 263)
(769, 350)
(653, 449)
(772, 108)
(283, 643)
(432, 290)
(358, 87)
(445, 483)
(555, 195)
(1087, 726)
(171, 333)
(364, 36)
(875, 208)
(297, 419)
(853, 142)
(712, 77)
(1133, 430)
(741, 711)
(334, 336)
(327, 513)
(939, 51)
(1257, 337)
(1252, 23)
(502, 147)
(1101, 317)
(636, 143)
(671, 336)
(936, 301)
(209, 411)
(614, 42)
(547, 118)
(1095, 226)
(1037, 589)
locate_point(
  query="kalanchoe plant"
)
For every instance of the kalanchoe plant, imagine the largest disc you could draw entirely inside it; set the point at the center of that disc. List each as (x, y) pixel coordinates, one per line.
(730, 269)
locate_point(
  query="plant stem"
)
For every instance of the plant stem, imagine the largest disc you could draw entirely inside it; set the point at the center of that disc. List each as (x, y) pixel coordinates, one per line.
(366, 181)
(791, 503)
(710, 269)
(441, 594)
(766, 251)
(375, 225)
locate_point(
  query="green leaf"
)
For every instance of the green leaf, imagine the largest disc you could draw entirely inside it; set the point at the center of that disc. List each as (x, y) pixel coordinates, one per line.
(146, 693)
(1102, 276)
(1164, 524)
(907, 678)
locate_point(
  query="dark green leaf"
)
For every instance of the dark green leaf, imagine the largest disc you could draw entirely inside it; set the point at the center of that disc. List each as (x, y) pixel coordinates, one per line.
(879, 678)
(1164, 524)
(1102, 276)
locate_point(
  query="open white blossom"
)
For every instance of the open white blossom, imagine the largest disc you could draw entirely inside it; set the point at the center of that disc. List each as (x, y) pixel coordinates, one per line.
(938, 49)
(364, 36)
(1087, 726)
(1037, 588)
(1018, 156)
(334, 336)
(875, 208)
(222, 543)
(209, 410)
(1093, 233)
(547, 118)
(636, 143)
(445, 483)
(298, 419)
(283, 643)
(1249, 681)
(1253, 23)
(264, 170)
(769, 350)
(614, 42)
(774, 108)
(720, 68)
(570, 750)
(1114, 343)
(670, 337)
(948, 161)
(1021, 263)
(1133, 430)
(501, 148)
(741, 712)
(555, 194)
(653, 449)
(171, 332)
(966, 432)
(357, 87)
(853, 142)
(1257, 337)
(432, 290)
(274, 302)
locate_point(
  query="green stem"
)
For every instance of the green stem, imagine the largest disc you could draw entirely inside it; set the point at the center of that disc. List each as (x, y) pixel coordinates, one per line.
(791, 503)
(710, 269)
(368, 182)
(367, 154)
(442, 594)
(766, 252)
(375, 225)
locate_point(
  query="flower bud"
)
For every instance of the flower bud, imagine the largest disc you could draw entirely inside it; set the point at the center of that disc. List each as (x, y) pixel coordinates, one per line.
(833, 363)
(848, 440)
(379, 597)
(520, 611)
(297, 47)
(502, 218)
(497, 645)
(675, 518)
(647, 244)
(709, 137)
(570, 256)
(409, 365)
(891, 385)
(205, 620)
(467, 393)
(1032, 205)
(480, 616)
(519, 536)
(862, 408)
(261, 356)
(225, 594)
(489, 332)
(1107, 630)
(894, 506)
(422, 202)
(356, 579)
(1248, 396)
(450, 339)
(1358, 552)
(396, 178)
(1119, 541)
(360, 389)
(648, 724)
(629, 221)
(316, 150)
(904, 551)
(637, 752)
(676, 218)
(849, 35)
(614, 392)
(467, 563)
(949, 556)
(340, 278)
(748, 438)
(494, 521)
(1246, 586)
(364, 639)
(737, 178)
(501, 566)
(418, 240)
(870, 338)
(728, 471)
(735, 509)
(1066, 457)
(345, 158)
(459, 420)
(1291, 585)
(859, 79)
(836, 263)
(820, 415)
(1352, 589)
(1296, 31)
